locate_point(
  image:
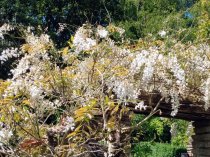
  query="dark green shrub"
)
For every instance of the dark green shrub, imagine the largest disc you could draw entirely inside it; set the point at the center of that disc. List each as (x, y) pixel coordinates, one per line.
(149, 149)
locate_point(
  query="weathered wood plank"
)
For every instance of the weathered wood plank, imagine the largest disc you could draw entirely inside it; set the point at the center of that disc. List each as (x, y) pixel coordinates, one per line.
(188, 110)
(202, 137)
(204, 144)
(202, 130)
(203, 152)
(201, 123)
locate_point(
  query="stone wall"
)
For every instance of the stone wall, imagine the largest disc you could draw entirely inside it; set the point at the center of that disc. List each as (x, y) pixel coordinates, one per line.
(201, 139)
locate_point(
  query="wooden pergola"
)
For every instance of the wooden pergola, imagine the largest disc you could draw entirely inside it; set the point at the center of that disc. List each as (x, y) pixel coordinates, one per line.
(189, 109)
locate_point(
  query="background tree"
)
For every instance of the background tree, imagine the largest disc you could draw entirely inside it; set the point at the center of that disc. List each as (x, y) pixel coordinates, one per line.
(61, 18)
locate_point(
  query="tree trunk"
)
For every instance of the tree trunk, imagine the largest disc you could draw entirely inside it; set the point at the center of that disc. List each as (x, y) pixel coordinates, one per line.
(119, 139)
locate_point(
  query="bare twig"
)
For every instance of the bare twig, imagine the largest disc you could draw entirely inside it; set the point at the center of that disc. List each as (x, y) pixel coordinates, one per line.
(153, 112)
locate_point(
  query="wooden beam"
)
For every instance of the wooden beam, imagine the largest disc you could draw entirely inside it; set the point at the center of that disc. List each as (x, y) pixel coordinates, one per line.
(188, 110)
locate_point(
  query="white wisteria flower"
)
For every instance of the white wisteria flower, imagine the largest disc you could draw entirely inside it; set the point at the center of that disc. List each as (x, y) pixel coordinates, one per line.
(9, 53)
(141, 106)
(207, 94)
(174, 103)
(5, 28)
(102, 32)
(178, 72)
(82, 40)
(123, 89)
(35, 92)
(5, 135)
(162, 33)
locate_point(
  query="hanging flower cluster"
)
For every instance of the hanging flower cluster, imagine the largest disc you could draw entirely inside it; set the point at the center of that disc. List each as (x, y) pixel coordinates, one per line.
(4, 29)
(8, 54)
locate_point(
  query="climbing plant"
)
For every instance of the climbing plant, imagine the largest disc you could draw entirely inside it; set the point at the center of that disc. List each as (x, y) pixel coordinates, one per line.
(79, 99)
